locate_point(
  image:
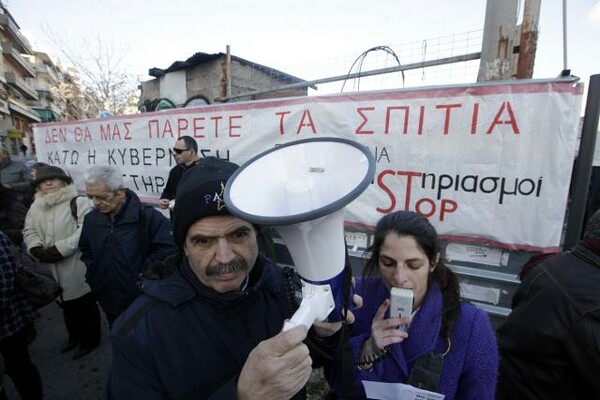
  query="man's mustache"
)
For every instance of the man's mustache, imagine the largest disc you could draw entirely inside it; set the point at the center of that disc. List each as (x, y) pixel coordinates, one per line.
(222, 269)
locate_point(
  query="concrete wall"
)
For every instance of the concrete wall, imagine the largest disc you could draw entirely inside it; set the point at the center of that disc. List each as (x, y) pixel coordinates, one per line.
(208, 79)
(173, 87)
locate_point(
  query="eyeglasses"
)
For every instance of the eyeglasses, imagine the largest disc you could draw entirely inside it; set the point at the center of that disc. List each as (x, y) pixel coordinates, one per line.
(179, 151)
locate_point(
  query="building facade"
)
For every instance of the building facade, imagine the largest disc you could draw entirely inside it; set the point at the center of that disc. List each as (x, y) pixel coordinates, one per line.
(207, 78)
(16, 90)
(33, 89)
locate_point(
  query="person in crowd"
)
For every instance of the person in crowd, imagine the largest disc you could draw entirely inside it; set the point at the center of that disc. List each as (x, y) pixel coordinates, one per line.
(51, 235)
(15, 176)
(208, 325)
(35, 167)
(23, 147)
(16, 315)
(30, 193)
(120, 238)
(550, 343)
(185, 153)
(448, 346)
(12, 216)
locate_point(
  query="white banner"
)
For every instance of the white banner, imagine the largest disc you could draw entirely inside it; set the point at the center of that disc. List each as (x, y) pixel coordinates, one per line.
(486, 163)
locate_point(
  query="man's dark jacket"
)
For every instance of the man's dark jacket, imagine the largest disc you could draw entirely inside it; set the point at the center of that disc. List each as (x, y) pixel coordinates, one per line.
(550, 344)
(112, 250)
(183, 340)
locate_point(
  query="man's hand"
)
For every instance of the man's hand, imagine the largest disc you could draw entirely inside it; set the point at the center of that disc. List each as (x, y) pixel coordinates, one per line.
(163, 203)
(277, 368)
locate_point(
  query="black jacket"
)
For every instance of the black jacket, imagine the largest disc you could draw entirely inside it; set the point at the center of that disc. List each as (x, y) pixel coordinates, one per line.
(12, 221)
(183, 340)
(550, 344)
(112, 250)
(174, 177)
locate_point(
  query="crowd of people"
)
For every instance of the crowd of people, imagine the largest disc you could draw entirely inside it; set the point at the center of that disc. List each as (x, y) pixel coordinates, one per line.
(196, 310)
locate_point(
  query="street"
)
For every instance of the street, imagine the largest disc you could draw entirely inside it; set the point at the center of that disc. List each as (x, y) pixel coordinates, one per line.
(62, 377)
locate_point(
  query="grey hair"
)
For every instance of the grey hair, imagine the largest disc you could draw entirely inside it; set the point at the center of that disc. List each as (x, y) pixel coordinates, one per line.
(110, 176)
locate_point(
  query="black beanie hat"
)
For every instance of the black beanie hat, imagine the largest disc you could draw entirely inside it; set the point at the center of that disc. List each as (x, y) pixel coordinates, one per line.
(200, 194)
(50, 172)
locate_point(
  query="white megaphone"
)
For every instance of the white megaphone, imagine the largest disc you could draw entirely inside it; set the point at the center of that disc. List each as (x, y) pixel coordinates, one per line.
(300, 188)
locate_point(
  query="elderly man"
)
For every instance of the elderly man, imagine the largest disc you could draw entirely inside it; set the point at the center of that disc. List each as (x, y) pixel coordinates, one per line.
(209, 323)
(120, 238)
(15, 176)
(185, 153)
(550, 343)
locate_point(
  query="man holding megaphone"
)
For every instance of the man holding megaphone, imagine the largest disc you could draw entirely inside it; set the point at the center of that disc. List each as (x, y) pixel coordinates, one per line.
(209, 322)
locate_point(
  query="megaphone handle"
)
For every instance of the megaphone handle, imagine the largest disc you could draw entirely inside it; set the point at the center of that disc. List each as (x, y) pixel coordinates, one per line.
(317, 303)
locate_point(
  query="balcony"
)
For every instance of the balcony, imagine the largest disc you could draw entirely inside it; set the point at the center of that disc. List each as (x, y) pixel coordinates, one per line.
(4, 107)
(24, 110)
(12, 55)
(45, 71)
(40, 86)
(19, 84)
(13, 32)
(48, 113)
(45, 102)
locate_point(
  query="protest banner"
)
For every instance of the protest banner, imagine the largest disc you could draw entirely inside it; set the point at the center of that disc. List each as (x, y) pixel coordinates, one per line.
(487, 163)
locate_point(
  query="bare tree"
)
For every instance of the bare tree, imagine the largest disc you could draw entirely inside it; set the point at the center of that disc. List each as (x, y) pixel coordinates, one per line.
(100, 63)
(80, 102)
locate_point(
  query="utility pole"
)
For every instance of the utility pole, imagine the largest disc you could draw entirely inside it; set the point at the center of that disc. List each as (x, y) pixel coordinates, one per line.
(499, 39)
(508, 51)
(529, 37)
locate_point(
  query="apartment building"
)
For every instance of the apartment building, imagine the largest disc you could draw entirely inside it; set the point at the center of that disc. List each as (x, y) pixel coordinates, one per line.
(16, 75)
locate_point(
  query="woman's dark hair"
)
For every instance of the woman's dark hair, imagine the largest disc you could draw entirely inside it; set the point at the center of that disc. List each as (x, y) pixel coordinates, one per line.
(408, 223)
(39, 165)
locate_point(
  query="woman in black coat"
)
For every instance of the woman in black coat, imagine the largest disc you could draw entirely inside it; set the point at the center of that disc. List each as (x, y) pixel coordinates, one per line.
(12, 216)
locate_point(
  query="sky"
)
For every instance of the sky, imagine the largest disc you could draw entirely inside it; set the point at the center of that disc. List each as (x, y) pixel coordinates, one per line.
(286, 35)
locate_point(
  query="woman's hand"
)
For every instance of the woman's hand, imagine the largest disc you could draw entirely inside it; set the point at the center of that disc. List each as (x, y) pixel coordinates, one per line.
(327, 329)
(385, 331)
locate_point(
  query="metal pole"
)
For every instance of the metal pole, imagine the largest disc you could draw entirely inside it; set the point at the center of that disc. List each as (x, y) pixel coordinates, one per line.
(583, 165)
(499, 36)
(228, 72)
(529, 38)
(388, 70)
(565, 35)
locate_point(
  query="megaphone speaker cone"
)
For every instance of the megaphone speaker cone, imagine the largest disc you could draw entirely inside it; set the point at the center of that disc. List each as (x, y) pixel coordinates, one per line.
(300, 181)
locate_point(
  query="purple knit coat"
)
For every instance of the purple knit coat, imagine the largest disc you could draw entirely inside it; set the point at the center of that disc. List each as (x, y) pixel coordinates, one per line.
(470, 368)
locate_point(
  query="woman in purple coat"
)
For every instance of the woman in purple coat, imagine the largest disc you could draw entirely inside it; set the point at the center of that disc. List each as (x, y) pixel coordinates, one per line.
(449, 346)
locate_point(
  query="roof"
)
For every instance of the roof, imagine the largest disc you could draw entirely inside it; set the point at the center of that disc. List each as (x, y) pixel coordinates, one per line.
(201, 58)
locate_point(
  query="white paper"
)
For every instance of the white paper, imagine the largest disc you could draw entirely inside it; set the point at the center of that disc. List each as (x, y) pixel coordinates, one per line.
(395, 391)
(356, 240)
(475, 254)
(480, 293)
